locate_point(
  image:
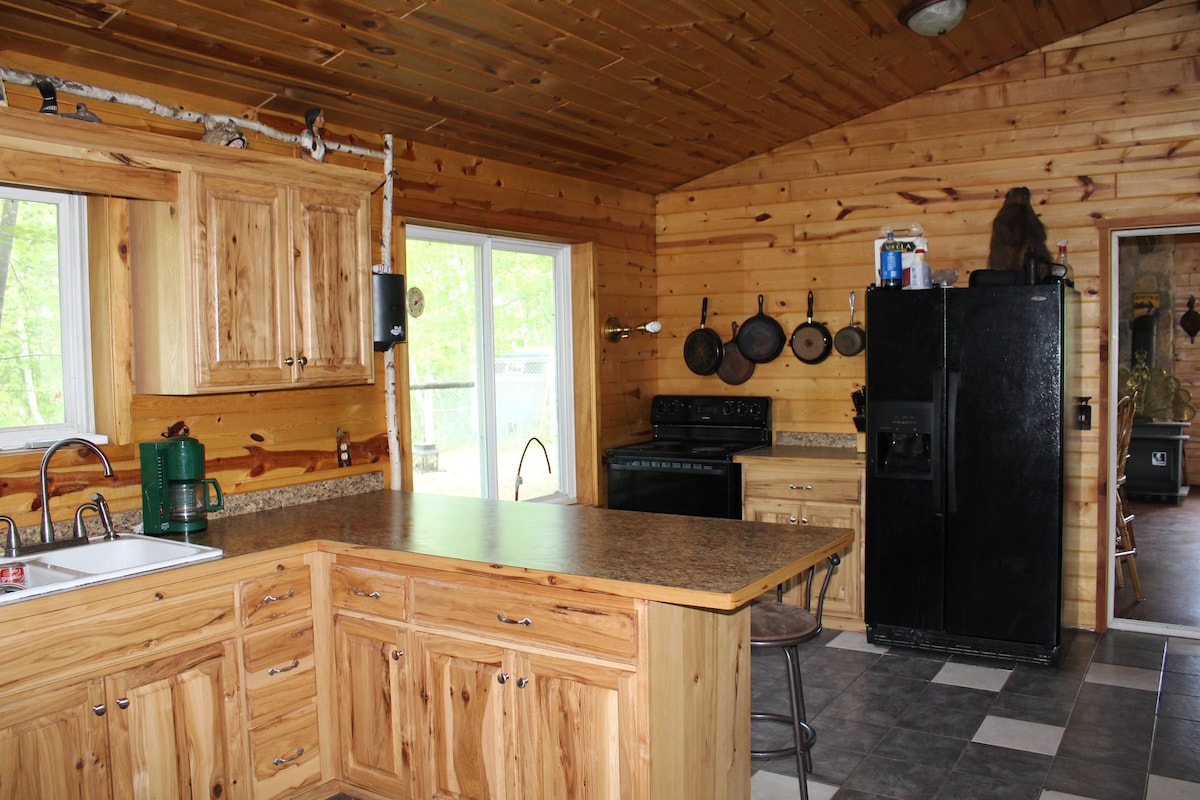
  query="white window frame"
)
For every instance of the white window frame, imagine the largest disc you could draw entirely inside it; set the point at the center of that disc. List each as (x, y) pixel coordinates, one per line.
(75, 326)
(564, 354)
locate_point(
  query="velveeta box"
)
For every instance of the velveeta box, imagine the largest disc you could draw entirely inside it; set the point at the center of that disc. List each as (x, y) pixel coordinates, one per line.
(908, 257)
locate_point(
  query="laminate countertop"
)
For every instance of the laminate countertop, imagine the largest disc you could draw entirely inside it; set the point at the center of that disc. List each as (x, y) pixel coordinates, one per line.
(694, 561)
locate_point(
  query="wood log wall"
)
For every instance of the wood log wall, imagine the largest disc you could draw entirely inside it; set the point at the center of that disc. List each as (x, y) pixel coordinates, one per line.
(1101, 128)
(275, 439)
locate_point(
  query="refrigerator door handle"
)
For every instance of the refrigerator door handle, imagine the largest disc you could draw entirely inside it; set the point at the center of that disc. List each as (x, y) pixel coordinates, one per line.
(936, 470)
(952, 381)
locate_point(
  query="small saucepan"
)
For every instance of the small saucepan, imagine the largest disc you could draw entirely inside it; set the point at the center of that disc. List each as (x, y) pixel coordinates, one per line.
(761, 338)
(850, 340)
(703, 349)
(735, 368)
(811, 341)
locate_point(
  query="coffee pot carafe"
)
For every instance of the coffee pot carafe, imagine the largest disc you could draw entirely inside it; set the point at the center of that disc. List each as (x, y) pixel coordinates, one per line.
(176, 497)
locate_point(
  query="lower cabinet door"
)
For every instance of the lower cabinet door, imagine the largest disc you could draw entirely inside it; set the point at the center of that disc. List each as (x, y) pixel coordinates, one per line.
(54, 744)
(175, 727)
(576, 722)
(468, 697)
(375, 691)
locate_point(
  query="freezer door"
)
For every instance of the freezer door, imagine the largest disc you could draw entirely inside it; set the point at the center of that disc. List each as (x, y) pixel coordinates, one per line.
(1005, 413)
(904, 540)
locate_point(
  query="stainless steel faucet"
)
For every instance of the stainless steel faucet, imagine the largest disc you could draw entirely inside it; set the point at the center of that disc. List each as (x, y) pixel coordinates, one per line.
(47, 525)
(12, 546)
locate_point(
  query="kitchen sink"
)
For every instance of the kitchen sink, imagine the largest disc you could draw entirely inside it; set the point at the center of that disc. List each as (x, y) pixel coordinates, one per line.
(103, 560)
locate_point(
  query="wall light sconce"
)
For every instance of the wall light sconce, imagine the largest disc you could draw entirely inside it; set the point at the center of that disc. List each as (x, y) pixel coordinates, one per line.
(933, 17)
(614, 331)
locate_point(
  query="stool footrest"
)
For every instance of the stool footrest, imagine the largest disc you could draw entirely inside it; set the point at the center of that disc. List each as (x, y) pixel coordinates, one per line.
(809, 736)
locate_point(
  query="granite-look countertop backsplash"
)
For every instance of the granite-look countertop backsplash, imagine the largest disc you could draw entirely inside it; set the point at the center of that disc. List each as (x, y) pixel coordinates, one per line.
(241, 503)
(801, 439)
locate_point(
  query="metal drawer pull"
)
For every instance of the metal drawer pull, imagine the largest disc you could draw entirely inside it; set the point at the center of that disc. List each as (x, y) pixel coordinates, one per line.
(792, 520)
(123, 703)
(278, 670)
(502, 678)
(397, 655)
(279, 762)
(361, 593)
(522, 682)
(100, 709)
(807, 487)
(272, 598)
(526, 621)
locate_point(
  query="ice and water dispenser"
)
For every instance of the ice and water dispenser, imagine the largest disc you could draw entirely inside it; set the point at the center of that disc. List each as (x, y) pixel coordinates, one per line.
(901, 439)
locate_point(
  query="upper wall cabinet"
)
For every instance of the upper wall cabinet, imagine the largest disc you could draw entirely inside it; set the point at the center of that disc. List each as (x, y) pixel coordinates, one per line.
(249, 284)
(250, 270)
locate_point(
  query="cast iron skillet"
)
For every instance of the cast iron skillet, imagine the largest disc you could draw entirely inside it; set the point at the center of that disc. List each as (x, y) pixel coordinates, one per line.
(850, 340)
(735, 368)
(761, 338)
(702, 349)
(811, 341)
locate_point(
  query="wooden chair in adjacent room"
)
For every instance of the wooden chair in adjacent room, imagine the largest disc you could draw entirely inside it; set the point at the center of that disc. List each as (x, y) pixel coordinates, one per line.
(783, 626)
(1126, 555)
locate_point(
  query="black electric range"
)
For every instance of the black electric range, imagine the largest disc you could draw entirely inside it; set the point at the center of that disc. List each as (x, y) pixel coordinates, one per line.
(687, 466)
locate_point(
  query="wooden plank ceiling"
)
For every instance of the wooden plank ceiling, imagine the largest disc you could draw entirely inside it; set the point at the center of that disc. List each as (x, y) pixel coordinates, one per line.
(643, 94)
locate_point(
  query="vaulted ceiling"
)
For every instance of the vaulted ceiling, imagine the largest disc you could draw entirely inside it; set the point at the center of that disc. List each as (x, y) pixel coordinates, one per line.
(644, 94)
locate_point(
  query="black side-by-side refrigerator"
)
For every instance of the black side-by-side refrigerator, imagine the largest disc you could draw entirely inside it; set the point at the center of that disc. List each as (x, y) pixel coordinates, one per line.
(967, 426)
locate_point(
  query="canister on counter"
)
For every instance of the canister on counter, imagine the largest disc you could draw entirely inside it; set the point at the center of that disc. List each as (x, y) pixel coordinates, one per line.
(12, 576)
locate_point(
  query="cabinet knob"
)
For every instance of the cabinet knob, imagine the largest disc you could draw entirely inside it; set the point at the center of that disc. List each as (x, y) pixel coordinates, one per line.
(100, 709)
(123, 703)
(397, 655)
(804, 520)
(502, 678)
(522, 683)
(792, 520)
(302, 360)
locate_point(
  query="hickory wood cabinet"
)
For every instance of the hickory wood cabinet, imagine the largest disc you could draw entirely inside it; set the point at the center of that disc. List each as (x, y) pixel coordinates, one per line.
(813, 486)
(466, 689)
(302, 672)
(252, 281)
(139, 688)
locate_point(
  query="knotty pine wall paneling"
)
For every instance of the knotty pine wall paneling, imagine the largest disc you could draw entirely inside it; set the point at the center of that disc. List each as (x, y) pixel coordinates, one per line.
(260, 440)
(1100, 127)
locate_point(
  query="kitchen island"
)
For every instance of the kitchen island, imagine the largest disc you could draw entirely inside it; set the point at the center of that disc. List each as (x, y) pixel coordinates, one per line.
(397, 645)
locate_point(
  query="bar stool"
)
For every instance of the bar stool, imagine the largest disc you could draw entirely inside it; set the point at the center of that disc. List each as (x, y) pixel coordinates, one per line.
(785, 627)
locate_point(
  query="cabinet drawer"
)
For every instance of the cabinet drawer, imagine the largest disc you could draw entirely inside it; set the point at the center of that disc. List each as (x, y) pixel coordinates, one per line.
(285, 755)
(276, 596)
(380, 594)
(801, 486)
(280, 670)
(603, 626)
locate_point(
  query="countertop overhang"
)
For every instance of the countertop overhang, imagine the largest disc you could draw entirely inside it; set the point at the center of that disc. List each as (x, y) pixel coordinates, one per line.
(708, 563)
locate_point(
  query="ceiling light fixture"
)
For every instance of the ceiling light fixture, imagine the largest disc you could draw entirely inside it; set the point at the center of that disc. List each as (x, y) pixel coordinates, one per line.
(933, 17)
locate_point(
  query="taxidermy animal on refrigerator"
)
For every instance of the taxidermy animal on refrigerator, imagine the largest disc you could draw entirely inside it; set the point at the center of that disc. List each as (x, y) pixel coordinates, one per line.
(1016, 230)
(224, 133)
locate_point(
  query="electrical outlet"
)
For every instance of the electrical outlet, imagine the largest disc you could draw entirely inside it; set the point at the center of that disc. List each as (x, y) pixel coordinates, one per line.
(343, 448)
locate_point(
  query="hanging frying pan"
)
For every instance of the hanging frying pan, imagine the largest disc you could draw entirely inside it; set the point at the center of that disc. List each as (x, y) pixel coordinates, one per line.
(735, 368)
(761, 338)
(850, 340)
(811, 341)
(703, 349)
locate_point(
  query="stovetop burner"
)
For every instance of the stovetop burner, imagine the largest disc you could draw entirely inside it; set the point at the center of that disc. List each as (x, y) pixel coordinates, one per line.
(703, 427)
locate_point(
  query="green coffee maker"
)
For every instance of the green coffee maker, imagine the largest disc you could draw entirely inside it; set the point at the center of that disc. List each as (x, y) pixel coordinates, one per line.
(176, 497)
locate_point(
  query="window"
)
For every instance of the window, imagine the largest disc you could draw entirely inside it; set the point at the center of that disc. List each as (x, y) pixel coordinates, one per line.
(45, 355)
(490, 366)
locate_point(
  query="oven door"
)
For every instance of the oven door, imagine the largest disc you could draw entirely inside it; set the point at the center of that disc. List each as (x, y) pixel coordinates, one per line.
(699, 489)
